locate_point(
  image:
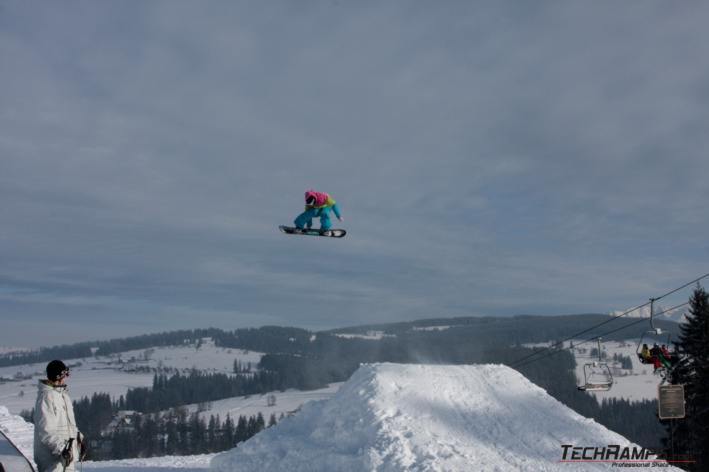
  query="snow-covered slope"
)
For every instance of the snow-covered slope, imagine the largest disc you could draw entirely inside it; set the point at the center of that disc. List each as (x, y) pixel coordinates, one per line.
(116, 373)
(18, 430)
(392, 417)
(286, 402)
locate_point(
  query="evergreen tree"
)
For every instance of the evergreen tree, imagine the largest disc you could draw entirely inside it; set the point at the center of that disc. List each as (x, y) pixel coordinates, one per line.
(251, 427)
(690, 436)
(272, 420)
(242, 430)
(211, 434)
(148, 437)
(172, 443)
(183, 440)
(260, 423)
(197, 433)
(121, 403)
(229, 439)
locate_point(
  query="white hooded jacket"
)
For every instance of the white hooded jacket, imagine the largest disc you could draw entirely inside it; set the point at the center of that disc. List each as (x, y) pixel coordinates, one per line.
(54, 425)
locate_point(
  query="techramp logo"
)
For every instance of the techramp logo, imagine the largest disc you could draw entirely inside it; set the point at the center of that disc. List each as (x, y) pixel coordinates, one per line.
(617, 456)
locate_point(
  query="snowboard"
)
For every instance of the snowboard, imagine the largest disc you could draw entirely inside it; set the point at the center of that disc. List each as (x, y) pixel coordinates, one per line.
(331, 233)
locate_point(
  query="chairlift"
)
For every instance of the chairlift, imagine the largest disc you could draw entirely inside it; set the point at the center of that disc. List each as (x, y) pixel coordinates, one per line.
(596, 375)
(653, 336)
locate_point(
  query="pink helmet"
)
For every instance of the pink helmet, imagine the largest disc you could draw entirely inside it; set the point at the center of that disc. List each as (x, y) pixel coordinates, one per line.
(318, 199)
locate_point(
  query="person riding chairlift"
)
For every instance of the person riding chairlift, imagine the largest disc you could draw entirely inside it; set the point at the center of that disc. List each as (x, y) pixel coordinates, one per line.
(659, 359)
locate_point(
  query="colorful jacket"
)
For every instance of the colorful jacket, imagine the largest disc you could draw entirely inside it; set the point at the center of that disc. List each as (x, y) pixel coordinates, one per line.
(322, 200)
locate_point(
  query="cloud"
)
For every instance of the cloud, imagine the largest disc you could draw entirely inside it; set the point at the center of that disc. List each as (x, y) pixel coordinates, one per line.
(490, 158)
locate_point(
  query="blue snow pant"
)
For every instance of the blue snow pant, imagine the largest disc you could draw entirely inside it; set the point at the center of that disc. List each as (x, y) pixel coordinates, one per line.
(306, 218)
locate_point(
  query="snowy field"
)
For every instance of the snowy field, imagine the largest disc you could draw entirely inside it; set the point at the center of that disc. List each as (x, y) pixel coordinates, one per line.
(198, 463)
(117, 373)
(371, 335)
(12, 350)
(433, 328)
(287, 402)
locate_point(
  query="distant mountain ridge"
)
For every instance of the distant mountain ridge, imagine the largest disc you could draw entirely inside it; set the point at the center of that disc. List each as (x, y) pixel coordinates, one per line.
(678, 315)
(8, 350)
(276, 339)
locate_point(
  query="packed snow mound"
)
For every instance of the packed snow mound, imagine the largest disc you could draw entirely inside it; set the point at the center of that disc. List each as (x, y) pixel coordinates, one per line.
(394, 417)
(22, 435)
(20, 432)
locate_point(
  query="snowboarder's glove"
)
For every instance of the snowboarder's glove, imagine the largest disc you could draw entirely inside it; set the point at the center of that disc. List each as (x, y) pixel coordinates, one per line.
(340, 218)
(83, 446)
(67, 456)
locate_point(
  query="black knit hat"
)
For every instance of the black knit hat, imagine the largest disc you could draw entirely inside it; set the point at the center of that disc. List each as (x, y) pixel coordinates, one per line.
(55, 369)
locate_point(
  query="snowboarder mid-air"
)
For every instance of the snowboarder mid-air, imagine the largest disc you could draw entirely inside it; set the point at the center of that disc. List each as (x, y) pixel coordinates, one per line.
(317, 205)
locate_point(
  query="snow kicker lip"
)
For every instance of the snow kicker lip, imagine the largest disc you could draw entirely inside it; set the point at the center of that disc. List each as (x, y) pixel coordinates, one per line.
(11, 459)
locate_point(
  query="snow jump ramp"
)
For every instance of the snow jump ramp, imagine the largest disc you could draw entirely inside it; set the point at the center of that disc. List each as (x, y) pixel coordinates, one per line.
(395, 417)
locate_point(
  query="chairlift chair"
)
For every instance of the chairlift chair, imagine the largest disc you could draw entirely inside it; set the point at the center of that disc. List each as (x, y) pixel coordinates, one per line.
(597, 375)
(652, 336)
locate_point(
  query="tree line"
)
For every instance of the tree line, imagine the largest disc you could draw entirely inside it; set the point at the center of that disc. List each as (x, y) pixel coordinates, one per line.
(177, 433)
(174, 432)
(688, 438)
(195, 387)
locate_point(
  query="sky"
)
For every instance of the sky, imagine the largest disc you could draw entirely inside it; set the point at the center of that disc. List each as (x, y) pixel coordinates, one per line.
(489, 157)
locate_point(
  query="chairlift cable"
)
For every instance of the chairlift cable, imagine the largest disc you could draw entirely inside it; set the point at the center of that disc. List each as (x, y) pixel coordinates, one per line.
(633, 323)
(683, 286)
(652, 300)
(578, 334)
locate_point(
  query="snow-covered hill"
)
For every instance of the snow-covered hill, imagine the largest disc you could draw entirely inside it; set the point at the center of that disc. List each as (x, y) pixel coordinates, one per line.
(18, 430)
(285, 402)
(116, 373)
(392, 417)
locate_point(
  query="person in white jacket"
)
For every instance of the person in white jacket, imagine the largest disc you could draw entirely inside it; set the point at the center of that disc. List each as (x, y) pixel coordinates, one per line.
(58, 444)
